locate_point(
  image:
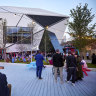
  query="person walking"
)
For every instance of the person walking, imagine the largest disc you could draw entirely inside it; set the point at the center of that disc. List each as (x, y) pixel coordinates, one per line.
(87, 55)
(39, 64)
(58, 64)
(71, 67)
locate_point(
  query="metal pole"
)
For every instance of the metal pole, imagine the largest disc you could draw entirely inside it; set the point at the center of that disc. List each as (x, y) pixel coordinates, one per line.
(45, 29)
(21, 42)
(31, 44)
(45, 43)
(31, 41)
(4, 39)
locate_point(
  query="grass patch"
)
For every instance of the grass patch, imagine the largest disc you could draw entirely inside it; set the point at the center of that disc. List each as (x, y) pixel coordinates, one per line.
(91, 65)
(46, 62)
(27, 62)
(1, 60)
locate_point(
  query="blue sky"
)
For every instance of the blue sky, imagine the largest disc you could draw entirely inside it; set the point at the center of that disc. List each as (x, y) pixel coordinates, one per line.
(59, 6)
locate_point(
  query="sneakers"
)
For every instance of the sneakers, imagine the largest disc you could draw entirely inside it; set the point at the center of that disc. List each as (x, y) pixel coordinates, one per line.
(66, 81)
(73, 84)
(40, 78)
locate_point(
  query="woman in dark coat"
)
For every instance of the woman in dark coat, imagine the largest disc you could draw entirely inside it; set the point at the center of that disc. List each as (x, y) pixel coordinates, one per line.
(93, 58)
(4, 90)
(79, 72)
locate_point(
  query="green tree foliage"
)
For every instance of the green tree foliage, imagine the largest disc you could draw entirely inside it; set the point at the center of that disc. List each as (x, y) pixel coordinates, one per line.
(79, 28)
(49, 46)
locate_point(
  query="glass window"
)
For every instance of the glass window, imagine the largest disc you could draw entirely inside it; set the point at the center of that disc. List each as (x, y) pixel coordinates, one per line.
(9, 35)
(15, 34)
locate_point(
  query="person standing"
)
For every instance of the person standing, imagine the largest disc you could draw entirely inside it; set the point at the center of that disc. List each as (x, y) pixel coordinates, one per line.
(58, 64)
(93, 58)
(87, 55)
(4, 90)
(71, 67)
(79, 72)
(39, 64)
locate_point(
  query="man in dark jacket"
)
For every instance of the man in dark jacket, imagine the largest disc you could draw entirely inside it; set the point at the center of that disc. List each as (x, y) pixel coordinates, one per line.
(39, 63)
(71, 67)
(4, 90)
(58, 64)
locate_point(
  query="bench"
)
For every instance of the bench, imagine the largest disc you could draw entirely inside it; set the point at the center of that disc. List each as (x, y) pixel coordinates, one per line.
(32, 65)
(85, 70)
(1, 67)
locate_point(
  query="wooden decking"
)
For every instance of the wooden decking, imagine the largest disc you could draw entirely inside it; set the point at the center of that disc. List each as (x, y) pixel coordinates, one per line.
(25, 83)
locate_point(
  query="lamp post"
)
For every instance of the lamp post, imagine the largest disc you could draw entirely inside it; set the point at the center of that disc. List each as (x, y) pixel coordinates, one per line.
(32, 38)
(4, 39)
(45, 40)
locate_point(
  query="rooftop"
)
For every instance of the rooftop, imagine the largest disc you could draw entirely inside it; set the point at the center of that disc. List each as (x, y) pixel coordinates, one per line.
(31, 11)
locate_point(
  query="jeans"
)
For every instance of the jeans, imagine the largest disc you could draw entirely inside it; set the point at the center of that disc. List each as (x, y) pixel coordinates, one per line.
(38, 71)
(71, 73)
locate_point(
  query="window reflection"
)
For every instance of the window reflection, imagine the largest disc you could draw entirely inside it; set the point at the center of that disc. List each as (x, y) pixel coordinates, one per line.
(18, 34)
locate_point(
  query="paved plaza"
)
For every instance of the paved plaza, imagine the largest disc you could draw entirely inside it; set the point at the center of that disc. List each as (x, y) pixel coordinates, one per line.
(25, 83)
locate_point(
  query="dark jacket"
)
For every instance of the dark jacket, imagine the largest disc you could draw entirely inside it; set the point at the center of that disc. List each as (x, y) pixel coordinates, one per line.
(58, 60)
(71, 61)
(79, 73)
(4, 90)
(39, 59)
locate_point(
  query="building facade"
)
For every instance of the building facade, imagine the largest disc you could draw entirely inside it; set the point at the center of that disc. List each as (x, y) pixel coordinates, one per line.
(26, 26)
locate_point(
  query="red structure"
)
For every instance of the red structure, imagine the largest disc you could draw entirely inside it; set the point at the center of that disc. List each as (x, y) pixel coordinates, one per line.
(1, 51)
(67, 48)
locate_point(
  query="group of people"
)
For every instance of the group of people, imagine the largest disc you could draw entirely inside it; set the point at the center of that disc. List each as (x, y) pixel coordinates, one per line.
(73, 69)
(73, 66)
(73, 63)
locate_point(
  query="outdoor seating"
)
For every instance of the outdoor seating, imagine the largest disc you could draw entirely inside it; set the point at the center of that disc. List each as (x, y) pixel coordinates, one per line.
(1, 67)
(7, 60)
(85, 70)
(32, 65)
(24, 59)
(13, 60)
(85, 67)
(50, 61)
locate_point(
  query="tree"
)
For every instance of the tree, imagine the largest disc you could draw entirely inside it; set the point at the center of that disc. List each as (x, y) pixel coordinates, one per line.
(80, 29)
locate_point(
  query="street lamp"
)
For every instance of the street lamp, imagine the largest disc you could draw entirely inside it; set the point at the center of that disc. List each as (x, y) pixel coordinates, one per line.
(45, 40)
(33, 23)
(4, 39)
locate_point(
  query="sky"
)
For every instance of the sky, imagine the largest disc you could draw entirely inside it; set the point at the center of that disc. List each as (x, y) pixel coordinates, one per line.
(58, 6)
